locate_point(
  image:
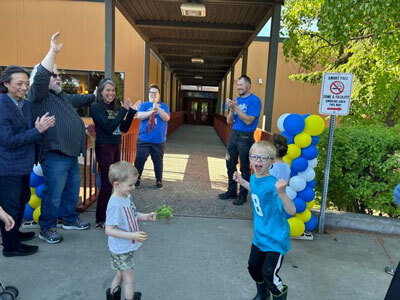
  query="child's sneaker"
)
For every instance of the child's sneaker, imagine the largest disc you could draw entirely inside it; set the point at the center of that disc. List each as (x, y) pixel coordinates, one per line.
(77, 225)
(389, 270)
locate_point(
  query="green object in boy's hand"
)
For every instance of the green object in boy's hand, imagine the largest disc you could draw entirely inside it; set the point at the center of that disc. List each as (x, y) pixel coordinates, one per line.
(164, 212)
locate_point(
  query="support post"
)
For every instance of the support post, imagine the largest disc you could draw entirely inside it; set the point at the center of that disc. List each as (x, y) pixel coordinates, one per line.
(272, 63)
(218, 108)
(162, 81)
(146, 71)
(109, 38)
(232, 82)
(224, 99)
(171, 90)
(244, 61)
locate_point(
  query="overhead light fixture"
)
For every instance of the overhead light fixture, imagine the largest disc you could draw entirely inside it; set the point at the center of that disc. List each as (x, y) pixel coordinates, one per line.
(198, 77)
(198, 60)
(193, 10)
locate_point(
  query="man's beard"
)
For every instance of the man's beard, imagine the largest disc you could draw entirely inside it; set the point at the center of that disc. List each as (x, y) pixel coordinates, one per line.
(56, 89)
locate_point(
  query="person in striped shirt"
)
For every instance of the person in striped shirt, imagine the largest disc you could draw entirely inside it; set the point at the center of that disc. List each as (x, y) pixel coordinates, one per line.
(122, 229)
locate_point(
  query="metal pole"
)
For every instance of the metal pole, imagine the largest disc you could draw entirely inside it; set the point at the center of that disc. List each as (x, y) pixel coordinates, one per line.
(109, 38)
(326, 176)
(244, 61)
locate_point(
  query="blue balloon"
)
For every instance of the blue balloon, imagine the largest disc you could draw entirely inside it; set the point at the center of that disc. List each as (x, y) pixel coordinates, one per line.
(300, 204)
(294, 124)
(311, 184)
(299, 164)
(290, 138)
(305, 116)
(39, 191)
(36, 180)
(314, 139)
(311, 224)
(309, 152)
(293, 173)
(28, 213)
(307, 194)
(288, 216)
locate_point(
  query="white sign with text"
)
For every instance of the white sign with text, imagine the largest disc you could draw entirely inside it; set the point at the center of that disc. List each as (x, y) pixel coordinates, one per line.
(335, 94)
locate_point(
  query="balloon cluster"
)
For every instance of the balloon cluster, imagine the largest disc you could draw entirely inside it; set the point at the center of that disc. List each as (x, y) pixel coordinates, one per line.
(32, 208)
(302, 133)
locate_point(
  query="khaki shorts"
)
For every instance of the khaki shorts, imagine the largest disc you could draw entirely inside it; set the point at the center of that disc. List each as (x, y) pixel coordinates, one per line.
(122, 261)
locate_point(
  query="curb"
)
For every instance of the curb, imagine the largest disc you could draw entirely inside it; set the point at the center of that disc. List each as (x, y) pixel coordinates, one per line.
(339, 219)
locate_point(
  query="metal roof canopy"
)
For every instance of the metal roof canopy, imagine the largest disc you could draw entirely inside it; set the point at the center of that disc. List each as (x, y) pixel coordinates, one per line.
(219, 38)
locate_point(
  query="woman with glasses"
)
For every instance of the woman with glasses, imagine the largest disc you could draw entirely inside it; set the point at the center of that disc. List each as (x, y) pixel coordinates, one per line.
(110, 119)
(154, 116)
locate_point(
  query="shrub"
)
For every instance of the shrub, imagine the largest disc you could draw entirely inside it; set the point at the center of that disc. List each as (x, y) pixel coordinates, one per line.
(365, 167)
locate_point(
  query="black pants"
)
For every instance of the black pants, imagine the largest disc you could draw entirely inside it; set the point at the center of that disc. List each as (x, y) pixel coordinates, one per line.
(156, 152)
(264, 266)
(238, 147)
(14, 194)
(106, 155)
(394, 288)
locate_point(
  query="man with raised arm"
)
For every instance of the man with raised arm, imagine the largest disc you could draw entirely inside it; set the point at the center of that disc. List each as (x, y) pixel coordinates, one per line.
(61, 146)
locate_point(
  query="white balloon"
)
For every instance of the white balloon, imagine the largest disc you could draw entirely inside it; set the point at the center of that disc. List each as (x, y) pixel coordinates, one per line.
(308, 174)
(312, 163)
(280, 121)
(297, 183)
(37, 169)
(291, 193)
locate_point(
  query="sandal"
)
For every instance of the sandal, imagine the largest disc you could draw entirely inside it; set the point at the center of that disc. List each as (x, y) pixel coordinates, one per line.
(100, 225)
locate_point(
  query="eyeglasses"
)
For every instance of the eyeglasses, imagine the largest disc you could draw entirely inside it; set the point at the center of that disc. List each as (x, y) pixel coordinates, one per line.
(54, 75)
(263, 158)
(153, 92)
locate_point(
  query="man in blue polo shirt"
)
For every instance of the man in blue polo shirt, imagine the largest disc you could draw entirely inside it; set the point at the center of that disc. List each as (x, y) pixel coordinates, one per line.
(244, 113)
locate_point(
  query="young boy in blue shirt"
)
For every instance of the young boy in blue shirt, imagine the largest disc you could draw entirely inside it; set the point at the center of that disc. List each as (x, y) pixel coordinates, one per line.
(271, 240)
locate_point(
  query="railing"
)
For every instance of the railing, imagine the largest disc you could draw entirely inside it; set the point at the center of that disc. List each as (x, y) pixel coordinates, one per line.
(224, 130)
(89, 190)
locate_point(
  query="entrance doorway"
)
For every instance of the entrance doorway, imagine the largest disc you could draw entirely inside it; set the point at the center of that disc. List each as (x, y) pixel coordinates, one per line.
(200, 111)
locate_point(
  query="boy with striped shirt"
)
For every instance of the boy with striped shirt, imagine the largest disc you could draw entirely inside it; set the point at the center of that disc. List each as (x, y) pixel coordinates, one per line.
(122, 229)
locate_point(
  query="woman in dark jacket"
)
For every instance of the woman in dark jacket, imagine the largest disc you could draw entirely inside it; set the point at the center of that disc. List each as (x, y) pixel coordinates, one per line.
(110, 119)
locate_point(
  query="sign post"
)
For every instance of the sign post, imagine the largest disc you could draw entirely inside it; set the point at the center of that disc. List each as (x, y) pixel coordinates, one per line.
(334, 100)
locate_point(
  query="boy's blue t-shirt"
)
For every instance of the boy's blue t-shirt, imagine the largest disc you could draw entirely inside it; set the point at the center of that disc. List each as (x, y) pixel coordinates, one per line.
(271, 228)
(251, 105)
(158, 134)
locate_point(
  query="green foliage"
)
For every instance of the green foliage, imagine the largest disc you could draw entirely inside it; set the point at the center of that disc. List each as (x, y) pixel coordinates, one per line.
(365, 168)
(359, 37)
(164, 212)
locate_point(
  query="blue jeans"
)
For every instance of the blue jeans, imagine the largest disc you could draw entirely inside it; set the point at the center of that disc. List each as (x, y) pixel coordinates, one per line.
(61, 192)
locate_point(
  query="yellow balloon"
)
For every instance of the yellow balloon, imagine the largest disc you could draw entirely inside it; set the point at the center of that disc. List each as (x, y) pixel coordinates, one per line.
(36, 214)
(33, 191)
(314, 125)
(310, 204)
(293, 151)
(35, 201)
(287, 160)
(302, 140)
(297, 227)
(305, 216)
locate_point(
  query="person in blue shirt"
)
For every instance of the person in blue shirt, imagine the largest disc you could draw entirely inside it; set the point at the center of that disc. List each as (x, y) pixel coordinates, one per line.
(244, 113)
(154, 116)
(271, 239)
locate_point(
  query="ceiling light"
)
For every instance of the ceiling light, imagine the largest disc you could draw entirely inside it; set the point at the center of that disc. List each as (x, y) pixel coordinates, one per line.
(198, 77)
(193, 10)
(197, 60)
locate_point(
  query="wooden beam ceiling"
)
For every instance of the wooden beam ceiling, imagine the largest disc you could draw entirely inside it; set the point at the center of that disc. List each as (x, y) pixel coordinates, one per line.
(197, 43)
(197, 26)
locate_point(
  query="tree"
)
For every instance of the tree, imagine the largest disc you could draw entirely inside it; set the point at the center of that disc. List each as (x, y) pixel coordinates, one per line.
(356, 36)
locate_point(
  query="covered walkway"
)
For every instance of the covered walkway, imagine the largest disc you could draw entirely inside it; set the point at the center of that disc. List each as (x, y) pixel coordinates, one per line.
(194, 175)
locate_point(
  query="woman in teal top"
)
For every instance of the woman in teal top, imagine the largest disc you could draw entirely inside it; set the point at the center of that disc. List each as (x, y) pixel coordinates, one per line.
(271, 239)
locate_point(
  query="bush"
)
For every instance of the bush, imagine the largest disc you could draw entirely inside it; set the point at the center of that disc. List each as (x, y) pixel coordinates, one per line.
(365, 167)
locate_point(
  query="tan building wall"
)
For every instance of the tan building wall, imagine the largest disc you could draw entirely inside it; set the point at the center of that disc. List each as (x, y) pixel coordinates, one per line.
(290, 96)
(28, 25)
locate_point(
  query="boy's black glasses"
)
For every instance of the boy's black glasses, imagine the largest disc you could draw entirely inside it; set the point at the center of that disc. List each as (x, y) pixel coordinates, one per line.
(263, 158)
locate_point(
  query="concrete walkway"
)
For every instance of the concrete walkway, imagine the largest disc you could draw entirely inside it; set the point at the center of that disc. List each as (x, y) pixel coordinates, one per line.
(198, 258)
